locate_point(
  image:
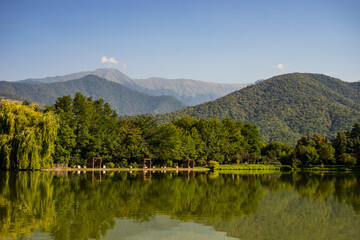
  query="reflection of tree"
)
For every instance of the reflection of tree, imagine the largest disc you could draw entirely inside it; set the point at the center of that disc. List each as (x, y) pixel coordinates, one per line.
(282, 214)
(347, 189)
(74, 207)
(26, 202)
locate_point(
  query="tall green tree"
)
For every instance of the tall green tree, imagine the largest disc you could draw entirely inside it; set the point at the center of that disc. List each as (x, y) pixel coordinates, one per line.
(354, 141)
(66, 139)
(82, 111)
(27, 136)
(314, 150)
(339, 144)
(130, 143)
(166, 144)
(277, 151)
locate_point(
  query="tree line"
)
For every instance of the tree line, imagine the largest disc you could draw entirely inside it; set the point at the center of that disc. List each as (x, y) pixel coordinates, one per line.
(90, 128)
(74, 129)
(315, 149)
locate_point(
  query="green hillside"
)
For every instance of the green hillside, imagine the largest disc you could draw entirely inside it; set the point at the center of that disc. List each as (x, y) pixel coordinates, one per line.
(287, 106)
(124, 100)
(12, 96)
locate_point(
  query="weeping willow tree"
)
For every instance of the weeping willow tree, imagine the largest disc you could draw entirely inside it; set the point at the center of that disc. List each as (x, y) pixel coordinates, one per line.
(26, 136)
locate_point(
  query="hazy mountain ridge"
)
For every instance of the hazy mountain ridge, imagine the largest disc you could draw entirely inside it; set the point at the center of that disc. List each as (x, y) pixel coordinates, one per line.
(287, 106)
(114, 76)
(191, 92)
(124, 100)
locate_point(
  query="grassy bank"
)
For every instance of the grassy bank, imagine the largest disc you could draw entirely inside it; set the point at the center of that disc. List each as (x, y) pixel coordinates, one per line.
(247, 167)
(261, 167)
(331, 168)
(247, 172)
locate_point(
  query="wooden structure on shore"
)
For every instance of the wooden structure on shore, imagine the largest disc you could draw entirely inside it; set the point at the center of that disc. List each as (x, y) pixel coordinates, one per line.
(188, 163)
(145, 162)
(94, 162)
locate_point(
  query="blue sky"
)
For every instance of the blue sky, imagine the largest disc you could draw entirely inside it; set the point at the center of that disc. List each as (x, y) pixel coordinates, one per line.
(218, 41)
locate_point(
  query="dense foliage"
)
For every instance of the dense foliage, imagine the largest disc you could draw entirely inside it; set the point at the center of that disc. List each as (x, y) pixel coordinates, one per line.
(26, 136)
(286, 107)
(90, 128)
(124, 100)
(316, 149)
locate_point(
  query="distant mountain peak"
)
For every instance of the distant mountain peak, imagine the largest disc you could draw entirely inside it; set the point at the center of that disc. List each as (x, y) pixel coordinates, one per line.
(190, 91)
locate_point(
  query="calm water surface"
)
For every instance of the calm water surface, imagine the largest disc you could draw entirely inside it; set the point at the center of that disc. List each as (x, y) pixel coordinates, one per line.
(183, 205)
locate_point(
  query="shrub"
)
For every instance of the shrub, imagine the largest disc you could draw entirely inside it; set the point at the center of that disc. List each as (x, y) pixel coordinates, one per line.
(123, 163)
(134, 165)
(76, 160)
(168, 163)
(110, 165)
(200, 162)
(213, 163)
(347, 159)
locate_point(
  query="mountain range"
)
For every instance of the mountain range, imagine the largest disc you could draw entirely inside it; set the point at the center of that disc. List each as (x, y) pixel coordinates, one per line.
(287, 106)
(189, 91)
(124, 100)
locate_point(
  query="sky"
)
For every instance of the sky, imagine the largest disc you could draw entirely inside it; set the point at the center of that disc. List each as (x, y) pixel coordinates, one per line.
(235, 41)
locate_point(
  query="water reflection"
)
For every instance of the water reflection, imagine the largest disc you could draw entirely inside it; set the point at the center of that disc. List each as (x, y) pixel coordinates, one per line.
(68, 205)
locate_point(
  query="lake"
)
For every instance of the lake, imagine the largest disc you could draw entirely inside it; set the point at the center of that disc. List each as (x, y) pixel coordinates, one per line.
(179, 205)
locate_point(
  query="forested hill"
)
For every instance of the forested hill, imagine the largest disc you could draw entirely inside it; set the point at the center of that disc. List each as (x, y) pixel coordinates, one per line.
(287, 106)
(124, 100)
(189, 91)
(12, 96)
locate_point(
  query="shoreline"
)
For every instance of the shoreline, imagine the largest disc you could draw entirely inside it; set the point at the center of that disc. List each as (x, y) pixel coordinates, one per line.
(120, 169)
(221, 168)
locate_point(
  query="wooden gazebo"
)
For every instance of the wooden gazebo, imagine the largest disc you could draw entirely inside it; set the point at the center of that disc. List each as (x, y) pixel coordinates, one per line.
(188, 163)
(145, 163)
(94, 162)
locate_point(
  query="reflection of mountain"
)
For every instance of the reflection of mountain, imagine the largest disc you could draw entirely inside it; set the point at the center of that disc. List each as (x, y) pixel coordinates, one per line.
(74, 207)
(162, 227)
(127, 228)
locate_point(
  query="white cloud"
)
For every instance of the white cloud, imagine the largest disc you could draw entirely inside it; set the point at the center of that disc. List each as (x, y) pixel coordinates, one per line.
(108, 60)
(280, 66)
(111, 61)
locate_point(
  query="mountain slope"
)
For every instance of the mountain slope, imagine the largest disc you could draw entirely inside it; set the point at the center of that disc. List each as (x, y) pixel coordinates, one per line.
(287, 106)
(12, 96)
(124, 100)
(189, 91)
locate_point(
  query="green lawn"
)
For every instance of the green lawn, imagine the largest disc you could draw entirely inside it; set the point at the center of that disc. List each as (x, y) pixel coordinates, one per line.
(247, 167)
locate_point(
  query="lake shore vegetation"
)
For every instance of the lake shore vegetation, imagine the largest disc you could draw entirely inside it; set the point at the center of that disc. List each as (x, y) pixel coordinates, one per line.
(74, 129)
